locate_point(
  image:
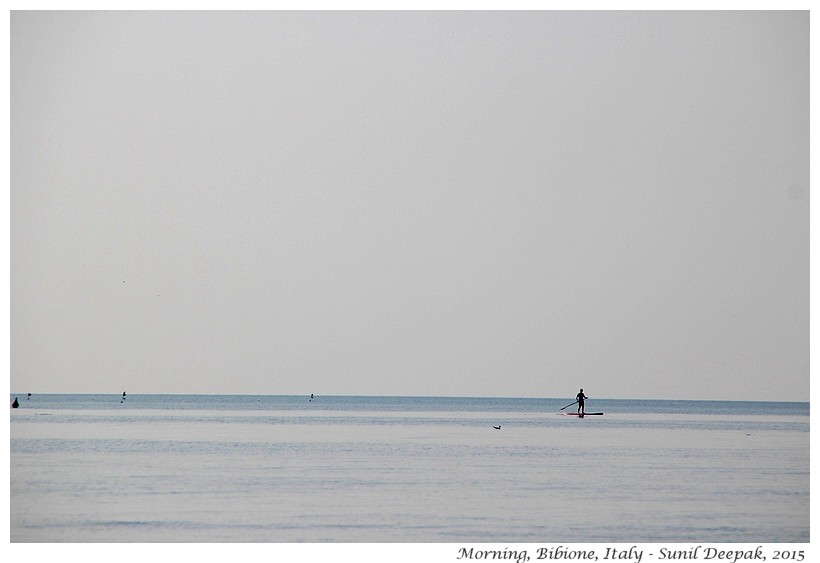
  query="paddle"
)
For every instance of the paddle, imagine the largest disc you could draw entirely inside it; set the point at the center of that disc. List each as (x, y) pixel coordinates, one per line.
(569, 405)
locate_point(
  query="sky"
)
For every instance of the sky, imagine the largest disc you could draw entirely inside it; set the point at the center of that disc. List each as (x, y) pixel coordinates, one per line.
(512, 204)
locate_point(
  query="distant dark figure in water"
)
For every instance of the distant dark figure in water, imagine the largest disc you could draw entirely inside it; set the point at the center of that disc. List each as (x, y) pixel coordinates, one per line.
(580, 398)
(15, 404)
(123, 397)
(29, 397)
(311, 397)
(497, 427)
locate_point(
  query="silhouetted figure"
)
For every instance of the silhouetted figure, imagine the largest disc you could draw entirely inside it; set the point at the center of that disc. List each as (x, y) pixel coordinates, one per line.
(15, 404)
(311, 397)
(29, 397)
(580, 396)
(497, 427)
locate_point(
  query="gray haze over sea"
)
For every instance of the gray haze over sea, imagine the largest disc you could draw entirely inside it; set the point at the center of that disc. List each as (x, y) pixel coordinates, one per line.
(245, 468)
(409, 202)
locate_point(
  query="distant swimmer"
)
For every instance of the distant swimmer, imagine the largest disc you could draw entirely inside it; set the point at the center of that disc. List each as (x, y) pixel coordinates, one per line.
(29, 397)
(311, 397)
(580, 398)
(15, 404)
(497, 427)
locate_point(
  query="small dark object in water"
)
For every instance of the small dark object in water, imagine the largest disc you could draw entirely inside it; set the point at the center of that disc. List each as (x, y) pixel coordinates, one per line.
(15, 404)
(497, 427)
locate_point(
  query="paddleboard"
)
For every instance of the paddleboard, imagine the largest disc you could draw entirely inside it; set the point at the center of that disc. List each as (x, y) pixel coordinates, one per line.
(583, 415)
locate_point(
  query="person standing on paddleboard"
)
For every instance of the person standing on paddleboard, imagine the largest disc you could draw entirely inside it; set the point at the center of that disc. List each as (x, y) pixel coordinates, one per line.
(580, 397)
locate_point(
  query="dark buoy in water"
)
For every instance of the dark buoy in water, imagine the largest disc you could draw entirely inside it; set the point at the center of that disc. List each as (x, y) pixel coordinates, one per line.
(15, 404)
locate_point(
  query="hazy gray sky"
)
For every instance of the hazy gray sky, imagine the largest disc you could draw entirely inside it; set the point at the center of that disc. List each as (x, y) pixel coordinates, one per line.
(429, 203)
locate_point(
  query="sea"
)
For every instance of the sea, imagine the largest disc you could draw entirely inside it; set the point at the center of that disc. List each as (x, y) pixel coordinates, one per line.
(338, 469)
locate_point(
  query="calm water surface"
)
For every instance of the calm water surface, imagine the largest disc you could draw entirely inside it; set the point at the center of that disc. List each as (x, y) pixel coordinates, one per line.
(202, 468)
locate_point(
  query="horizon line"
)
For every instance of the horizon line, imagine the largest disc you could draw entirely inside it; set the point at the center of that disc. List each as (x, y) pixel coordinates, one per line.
(422, 396)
